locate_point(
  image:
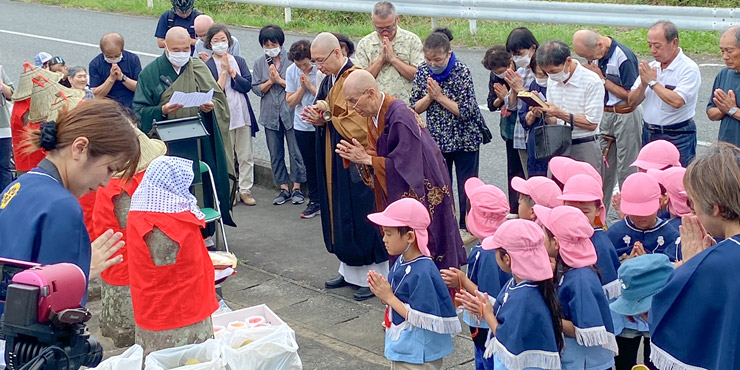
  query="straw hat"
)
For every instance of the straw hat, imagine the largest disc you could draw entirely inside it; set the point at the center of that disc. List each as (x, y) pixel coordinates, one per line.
(25, 82)
(150, 149)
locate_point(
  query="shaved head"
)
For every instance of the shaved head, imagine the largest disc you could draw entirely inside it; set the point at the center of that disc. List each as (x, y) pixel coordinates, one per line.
(590, 45)
(177, 34)
(201, 24)
(324, 43)
(111, 42)
(359, 81)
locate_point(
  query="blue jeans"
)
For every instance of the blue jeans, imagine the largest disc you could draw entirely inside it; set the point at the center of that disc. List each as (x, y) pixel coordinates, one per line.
(276, 140)
(684, 138)
(6, 150)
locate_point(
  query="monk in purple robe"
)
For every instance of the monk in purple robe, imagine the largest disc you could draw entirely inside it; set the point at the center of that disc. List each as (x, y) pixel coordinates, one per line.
(402, 160)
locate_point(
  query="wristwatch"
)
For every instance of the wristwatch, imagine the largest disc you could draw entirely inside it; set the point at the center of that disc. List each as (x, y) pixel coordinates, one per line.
(732, 112)
(603, 81)
(652, 83)
(124, 78)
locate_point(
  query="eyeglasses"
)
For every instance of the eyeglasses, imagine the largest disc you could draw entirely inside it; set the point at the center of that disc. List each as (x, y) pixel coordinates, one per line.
(358, 99)
(390, 28)
(321, 63)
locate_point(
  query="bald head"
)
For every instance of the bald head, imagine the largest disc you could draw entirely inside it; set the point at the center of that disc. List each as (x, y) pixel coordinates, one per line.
(324, 43)
(585, 38)
(201, 25)
(590, 45)
(359, 81)
(734, 33)
(177, 39)
(111, 44)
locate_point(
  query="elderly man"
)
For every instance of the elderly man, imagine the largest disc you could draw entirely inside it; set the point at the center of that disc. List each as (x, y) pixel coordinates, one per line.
(668, 88)
(405, 162)
(174, 71)
(345, 200)
(575, 97)
(114, 72)
(616, 65)
(723, 103)
(201, 25)
(391, 53)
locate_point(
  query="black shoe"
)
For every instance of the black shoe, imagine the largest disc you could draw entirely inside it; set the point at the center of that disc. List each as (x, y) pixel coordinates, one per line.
(363, 293)
(311, 210)
(336, 282)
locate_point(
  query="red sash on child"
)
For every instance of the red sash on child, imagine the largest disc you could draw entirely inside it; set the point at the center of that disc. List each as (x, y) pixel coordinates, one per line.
(103, 218)
(176, 295)
(23, 161)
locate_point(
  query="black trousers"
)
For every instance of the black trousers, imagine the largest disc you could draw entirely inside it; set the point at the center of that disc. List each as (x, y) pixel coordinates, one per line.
(628, 348)
(466, 166)
(513, 169)
(307, 146)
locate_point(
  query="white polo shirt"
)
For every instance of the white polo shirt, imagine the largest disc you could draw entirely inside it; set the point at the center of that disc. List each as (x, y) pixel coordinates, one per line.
(681, 76)
(582, 94)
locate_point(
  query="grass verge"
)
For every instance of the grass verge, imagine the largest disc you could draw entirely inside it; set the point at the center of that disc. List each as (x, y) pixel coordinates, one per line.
(356, 25)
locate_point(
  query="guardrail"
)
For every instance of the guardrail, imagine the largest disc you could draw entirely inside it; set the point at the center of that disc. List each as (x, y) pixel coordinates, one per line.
(639, 16)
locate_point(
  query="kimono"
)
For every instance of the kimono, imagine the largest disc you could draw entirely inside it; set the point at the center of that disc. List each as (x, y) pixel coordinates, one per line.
(693, 320)
(426, 334)
(104, 218)
(584, 303)
(172, 294)
(661, 238)
(42, 222)
(157, 82)
(345, 200)
(525, 338)
(407, 163)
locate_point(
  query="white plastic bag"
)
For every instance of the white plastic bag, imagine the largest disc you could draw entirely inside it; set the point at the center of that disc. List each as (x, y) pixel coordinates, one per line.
(272, 348)
(130, 359)
(208, 354)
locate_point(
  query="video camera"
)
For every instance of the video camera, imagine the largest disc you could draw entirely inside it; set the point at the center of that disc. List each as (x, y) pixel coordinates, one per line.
(44, 324)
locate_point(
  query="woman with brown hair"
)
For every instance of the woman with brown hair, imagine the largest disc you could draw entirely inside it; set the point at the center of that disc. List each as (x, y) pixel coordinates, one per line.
(40, 218)
(694, 322)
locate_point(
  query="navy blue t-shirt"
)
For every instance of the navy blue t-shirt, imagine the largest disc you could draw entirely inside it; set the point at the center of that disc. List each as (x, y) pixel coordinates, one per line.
(100, 70)
(186, 23)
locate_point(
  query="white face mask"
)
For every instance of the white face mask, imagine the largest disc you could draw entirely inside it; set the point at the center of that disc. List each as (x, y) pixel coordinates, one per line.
(220, 47)
(541, 81)
(178, 58)
(522, 61)
(114, 60)
(272, 52)
(500, 75)
(560, 76)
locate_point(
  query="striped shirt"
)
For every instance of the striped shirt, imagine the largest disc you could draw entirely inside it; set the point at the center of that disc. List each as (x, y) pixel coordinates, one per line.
(582, 94)
(619, 66)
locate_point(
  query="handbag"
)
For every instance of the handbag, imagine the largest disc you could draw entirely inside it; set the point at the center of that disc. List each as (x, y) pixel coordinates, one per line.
(485, 133)
(552, 140)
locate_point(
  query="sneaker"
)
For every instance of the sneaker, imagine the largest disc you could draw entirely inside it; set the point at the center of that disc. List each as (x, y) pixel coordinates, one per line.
(282, 197)
(312, 209)
(247, 199)
(297, 197)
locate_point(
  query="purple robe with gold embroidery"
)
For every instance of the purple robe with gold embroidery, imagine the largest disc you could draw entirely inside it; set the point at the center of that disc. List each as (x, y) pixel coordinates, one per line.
(408, 163)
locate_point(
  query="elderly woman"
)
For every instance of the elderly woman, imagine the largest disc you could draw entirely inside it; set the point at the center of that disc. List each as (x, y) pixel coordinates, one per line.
(77, 77)
(443, 87)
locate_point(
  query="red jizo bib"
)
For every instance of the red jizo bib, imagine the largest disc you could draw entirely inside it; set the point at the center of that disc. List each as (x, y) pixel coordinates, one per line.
(175, 295)
(23, 161)
(103, 218)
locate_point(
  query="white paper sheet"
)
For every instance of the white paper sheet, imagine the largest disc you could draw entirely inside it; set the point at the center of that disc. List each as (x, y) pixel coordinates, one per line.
(194, 99)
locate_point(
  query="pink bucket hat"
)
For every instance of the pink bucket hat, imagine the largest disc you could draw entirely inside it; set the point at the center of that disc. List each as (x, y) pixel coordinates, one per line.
(489, 207)
(672, 181)
(563, 168)
(640, 195)
(407, 212)
(584, 188)
(543, 190)
(524, 241)
(573, 231)
(658, 155)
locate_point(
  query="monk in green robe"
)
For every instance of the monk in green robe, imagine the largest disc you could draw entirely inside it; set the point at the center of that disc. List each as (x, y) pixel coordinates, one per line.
(174, 71)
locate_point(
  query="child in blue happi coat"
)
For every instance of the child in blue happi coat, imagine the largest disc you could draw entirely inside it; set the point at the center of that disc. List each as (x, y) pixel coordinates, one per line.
(489, 207)
(525, 318)
(587, 322)
(420, 318)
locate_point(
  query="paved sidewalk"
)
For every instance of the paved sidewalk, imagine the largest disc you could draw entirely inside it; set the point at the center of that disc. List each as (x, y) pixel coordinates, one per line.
(283, 263)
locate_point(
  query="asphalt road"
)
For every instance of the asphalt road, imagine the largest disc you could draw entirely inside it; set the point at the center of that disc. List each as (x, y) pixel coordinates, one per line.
(74, 34)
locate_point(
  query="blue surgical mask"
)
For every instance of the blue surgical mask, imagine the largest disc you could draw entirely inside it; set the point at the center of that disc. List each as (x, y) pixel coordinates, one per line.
(437, 69)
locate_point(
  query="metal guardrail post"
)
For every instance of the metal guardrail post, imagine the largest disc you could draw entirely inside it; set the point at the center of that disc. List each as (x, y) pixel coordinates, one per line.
(473, 25)
(288, 15)
(434, 22)
(150, 4)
